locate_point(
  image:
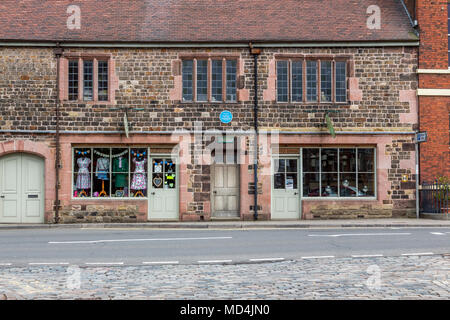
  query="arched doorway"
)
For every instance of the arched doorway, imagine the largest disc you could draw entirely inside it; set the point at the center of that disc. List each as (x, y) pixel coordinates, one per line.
(22, 191)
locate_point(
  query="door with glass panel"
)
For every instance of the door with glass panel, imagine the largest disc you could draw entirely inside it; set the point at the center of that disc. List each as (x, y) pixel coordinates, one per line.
(163, 201)
(286, 188)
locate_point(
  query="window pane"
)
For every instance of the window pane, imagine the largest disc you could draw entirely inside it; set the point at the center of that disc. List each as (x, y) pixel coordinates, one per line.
(325, 81)
(73, 80)
(329, 160)
(366, 162)
(120, 172)
(291, 165)
(82, 172)
(169, 174)
(279, 181)
(103, 80)
(138, 187)
(88, 83)
(348, 184)
(311, 187)
(291, 181)
(341, 81)
(311, 80)
(347, 160)
(216, 80)
(329, 184)
(231, 80)
(280, 165)
(311, 160)
(187, 80)
(202, 80)
(297, 81)
(366, 185)
(101, 179)
(282, 81)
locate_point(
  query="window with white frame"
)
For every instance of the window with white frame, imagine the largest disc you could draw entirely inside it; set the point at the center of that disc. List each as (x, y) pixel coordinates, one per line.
(338, 172)
(209, 80)
(110, 172)
(301, 80)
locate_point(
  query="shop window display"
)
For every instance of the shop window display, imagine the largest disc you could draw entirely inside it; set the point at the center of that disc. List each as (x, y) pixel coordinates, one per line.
(110, 172)
(339, 172)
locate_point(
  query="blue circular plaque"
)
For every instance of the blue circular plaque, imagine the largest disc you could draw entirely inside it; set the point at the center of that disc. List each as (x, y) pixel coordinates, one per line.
(226, 116)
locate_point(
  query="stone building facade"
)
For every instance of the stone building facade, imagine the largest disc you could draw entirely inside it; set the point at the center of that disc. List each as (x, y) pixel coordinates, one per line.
(142, 134)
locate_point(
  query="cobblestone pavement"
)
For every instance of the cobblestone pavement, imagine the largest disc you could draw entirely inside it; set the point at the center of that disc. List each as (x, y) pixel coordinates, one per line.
(413, 277)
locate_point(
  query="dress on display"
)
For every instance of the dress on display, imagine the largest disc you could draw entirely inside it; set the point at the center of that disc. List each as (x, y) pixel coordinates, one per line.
(120, 164)
(83, 178)
(102, 169)
(139, 177)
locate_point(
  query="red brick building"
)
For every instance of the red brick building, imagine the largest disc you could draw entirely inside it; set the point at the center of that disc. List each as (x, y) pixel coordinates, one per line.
(433, 19)
(100, 102)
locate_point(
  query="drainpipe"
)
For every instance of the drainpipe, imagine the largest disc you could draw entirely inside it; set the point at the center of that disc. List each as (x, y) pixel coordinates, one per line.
(58, 51)
(255, 53)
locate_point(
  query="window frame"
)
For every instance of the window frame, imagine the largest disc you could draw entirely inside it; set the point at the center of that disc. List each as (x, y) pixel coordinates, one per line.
(357, 172)
(304, 61)
(95, 78)
(224, 78)
(92, 171)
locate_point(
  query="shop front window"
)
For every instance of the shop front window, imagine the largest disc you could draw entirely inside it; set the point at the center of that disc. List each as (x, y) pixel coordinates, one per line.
(339, 172)
(110, 172)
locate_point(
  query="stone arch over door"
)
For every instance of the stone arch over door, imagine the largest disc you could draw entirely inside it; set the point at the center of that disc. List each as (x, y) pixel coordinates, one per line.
(41, 150)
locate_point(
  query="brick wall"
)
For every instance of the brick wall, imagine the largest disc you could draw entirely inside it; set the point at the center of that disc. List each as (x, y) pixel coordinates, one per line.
(434, 111)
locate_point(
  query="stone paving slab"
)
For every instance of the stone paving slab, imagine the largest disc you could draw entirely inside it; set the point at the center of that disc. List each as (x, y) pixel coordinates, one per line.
(419, 277)
(363, 223)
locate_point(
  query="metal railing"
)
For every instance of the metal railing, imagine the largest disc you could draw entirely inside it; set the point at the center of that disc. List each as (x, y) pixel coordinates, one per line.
(435, 198)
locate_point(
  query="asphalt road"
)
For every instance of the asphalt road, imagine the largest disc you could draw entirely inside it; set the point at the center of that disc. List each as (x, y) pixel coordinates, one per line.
(143, 246)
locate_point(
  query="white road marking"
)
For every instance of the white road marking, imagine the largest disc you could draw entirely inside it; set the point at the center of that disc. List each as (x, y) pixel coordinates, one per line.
(5, 264)
(161, 262)
(438, 233)
(48, 263)
(104, 263)
(358, 234)
(418, 254)
(367, 255)
(214, 261)
(318, 257)
(137, 240)
(267, 259)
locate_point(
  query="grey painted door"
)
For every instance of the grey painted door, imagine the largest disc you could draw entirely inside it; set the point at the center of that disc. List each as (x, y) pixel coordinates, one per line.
(163, 198)
(225, 190)
(21, 189)
(285, 188)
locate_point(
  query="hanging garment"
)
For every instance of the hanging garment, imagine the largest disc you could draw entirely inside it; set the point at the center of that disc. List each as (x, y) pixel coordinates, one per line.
(139, 177)
(101, 172)
(120, 164)
(83, 178)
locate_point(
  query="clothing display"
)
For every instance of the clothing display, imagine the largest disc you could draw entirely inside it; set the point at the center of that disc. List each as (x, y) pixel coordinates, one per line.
(139, 181)
(83, 178)
(120, 164)
(102, 170)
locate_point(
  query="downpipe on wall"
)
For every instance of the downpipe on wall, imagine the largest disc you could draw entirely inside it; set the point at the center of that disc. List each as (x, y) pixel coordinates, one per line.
(58, 51)
(255, 52)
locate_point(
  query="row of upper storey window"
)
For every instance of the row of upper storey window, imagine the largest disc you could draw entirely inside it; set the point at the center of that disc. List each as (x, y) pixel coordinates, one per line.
(209, 80)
